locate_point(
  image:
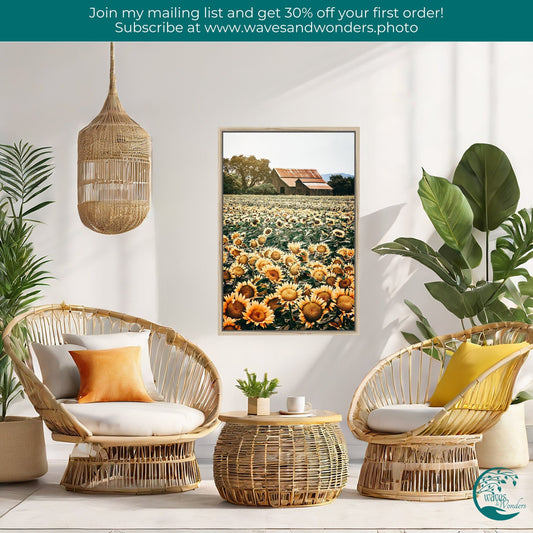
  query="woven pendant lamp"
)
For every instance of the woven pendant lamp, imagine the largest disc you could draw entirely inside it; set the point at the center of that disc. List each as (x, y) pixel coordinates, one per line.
(114, 167)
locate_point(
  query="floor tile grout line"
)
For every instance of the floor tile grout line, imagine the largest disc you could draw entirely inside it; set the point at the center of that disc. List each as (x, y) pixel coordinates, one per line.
(17, 504)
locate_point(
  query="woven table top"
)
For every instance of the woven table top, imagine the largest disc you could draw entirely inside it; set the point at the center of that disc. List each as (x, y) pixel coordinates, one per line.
(275, 419)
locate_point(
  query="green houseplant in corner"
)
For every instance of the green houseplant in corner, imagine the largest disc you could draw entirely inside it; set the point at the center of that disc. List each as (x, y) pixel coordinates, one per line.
(477, 284)
(25, 172)
(258, 392)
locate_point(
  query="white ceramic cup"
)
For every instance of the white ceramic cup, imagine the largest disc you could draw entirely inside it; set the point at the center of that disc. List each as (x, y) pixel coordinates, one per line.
(296, 404)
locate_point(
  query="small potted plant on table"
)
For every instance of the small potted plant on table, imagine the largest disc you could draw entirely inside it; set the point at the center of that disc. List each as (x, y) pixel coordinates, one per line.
(258, 392)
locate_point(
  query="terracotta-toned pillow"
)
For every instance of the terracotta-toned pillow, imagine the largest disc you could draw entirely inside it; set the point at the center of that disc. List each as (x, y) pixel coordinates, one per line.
(110, 375)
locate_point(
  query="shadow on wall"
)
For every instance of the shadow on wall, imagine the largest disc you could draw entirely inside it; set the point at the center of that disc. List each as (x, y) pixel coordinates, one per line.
(331, 382)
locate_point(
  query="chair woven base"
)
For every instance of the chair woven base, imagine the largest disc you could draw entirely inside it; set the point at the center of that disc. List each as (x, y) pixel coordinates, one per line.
(139, 469)
(431, 469)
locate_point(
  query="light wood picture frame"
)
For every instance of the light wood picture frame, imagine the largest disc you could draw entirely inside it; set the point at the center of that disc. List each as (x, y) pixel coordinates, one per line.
(289, 222)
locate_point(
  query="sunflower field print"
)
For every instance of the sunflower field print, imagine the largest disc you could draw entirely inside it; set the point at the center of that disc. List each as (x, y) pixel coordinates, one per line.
(288, 263)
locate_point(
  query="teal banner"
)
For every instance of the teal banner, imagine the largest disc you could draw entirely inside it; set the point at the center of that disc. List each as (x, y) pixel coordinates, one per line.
(273, 20)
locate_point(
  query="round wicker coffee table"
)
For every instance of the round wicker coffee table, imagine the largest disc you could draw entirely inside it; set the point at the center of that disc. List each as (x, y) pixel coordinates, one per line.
(280, 461)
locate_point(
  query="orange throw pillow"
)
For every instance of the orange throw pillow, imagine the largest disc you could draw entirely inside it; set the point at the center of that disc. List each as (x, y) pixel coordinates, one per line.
(110, 375)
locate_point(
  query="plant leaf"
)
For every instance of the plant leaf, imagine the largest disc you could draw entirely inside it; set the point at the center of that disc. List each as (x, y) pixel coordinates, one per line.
(424, 254)
(522, 396)
(465, 304)
(526, 287)
(447, 208)
(488, 181)
(515, 247)
(411, 338)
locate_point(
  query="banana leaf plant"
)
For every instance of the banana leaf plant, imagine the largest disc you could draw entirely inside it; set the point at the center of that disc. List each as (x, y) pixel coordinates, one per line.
(25, 173)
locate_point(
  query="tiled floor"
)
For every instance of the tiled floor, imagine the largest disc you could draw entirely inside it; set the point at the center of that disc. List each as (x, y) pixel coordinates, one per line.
(44, 506)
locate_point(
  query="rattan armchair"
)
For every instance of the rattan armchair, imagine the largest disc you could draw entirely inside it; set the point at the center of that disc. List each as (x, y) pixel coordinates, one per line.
(182, 372)
(436, 461)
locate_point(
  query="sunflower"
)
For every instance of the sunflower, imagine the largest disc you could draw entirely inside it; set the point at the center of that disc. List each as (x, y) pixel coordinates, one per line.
(229, 324)
(235, 235)
(311, 310)
(237, 242)
(254, 222)
(275, 254)
(294, 247)
(290, 259)
(317, 222)
(234, 306)
(294, 269)
(237, 270)
(339, 233)
(344, 299)
(311, 248)
(246, 289)
(307, 289)
(225, 240)
(226, 275)
(346, 252)
(261, 239)
(323, 249)
(319, 273)
(349, 270)
(337, 269)
(346, 283)
(288, 292)
(259, 314)
(343, 252)
(325, 293)
(272, 301)
(330, 279)
(254, 243)
(243, 259)
(235, 252)
(304, 255)
(262, 263)
(273, 273)
(267, 231)
(280, 223)
(252, 259)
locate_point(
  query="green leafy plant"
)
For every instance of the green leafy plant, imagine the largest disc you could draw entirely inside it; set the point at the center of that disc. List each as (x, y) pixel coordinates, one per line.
(476, 284)
(252, 388)
(482, 197)
(25, 172)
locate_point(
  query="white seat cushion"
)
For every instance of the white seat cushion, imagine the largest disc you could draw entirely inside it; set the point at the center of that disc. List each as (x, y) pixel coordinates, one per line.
(401, 418)
(135, 418)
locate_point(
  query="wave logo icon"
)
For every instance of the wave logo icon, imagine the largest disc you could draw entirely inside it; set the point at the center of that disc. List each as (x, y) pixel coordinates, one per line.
(495, 494)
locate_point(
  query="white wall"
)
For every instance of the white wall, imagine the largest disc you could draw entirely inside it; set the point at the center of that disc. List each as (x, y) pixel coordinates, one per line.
(417, 105)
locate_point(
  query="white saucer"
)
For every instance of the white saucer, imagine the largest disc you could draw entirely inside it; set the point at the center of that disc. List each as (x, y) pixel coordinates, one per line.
(292, 413)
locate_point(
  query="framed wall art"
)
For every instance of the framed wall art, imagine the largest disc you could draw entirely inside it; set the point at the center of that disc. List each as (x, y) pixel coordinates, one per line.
(289, 230)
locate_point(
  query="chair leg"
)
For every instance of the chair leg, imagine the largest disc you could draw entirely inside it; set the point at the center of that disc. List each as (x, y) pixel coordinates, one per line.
(141, 469)
(435, 469)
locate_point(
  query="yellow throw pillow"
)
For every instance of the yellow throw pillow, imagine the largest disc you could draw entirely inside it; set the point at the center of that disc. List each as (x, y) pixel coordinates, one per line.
(110, 375)
(467, 364)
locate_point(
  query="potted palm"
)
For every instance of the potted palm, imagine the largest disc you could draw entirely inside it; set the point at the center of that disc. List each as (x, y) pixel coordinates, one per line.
(25, 172)
(258, 392)
(479, 282)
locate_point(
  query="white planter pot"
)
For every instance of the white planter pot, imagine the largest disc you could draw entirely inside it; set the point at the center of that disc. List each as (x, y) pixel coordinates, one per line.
(22, 449)
(505, 444)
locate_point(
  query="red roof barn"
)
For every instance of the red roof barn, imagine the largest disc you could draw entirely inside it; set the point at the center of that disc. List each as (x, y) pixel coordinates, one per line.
(303, 181)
